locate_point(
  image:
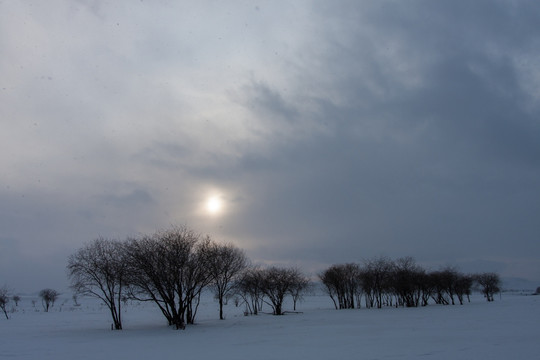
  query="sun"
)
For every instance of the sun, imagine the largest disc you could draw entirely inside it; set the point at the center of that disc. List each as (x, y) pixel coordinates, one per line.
(214, 205)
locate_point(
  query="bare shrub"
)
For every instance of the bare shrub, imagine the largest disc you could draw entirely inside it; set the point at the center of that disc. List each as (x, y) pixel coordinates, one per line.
(48, 297)
(4, 300)
(276, 283)
(490, 284)
(249, 288)
(343, 284)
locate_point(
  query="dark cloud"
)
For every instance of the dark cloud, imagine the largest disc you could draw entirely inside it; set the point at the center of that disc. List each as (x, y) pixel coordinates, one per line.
(438, 169)
(268, 103)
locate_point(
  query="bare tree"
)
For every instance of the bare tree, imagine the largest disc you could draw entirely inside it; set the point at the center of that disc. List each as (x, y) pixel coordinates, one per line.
(402, 282)
(490, 284)
(331, 280)
(276, 284)
(4, 300)
(16, 299)
(463, 287)
(376, 280)
(406, 282)
(168, 269)
(298, 289)
(427, 286)
(99, 270)
(225, 263)
(48, 297)
(438, 293)
(343, 285)
(449, 279)
(249, 287)
(196, 277)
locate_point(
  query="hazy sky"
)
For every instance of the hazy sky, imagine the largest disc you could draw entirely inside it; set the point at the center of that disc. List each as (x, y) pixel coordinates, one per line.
(331, 131)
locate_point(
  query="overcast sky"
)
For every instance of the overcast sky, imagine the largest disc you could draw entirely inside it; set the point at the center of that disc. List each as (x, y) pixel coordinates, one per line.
(331, 131)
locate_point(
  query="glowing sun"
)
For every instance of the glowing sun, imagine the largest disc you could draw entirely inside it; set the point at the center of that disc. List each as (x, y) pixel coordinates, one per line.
(214, 205)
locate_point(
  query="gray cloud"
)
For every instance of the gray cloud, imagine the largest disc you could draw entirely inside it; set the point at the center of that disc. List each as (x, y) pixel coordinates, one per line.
(334, 131)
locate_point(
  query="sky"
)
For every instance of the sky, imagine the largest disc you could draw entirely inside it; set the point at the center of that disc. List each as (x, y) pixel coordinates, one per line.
(321, 132)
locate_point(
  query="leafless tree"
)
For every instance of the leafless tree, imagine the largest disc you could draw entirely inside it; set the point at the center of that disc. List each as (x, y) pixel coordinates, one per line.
(463, 287)
(48, 297)
(490, 284)
(449, 279)
(406, 282)
(427, 286)
(343, 284)
(4, 299)
(438, 292)
(386, 282)
(376, 280)
(169, 269)
(331, 280)
(99, 269)
(276, 284)
(196, 277)
(249, 287)
(225, 263)
(299, 289)
(16, 299)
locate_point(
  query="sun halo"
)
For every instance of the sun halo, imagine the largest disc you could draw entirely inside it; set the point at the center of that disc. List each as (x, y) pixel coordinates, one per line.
(214, 205)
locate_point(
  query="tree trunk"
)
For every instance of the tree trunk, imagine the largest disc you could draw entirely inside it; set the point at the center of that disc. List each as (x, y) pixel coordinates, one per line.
(221, 308)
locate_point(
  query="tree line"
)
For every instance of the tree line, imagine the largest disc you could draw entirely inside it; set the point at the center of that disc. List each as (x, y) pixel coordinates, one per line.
(384, 282)
(171, 268)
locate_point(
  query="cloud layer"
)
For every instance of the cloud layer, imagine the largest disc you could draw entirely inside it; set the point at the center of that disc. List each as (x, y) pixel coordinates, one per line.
(333, 131)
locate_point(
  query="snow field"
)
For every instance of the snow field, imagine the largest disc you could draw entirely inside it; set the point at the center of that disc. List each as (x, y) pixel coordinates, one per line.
(504, 329)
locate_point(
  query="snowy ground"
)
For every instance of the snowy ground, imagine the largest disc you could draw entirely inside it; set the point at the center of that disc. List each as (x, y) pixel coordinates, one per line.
(505, 329)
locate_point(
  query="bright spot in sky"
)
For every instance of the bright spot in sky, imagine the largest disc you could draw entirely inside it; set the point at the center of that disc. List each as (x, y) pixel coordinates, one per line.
(213, 205)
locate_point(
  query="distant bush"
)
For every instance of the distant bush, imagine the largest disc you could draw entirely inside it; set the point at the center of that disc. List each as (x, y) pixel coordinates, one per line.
(402, 283)
(4, 299)
(48, 297)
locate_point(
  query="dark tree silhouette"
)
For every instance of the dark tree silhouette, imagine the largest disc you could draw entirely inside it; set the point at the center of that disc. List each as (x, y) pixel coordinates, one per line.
(169, 269)
(463, 286)
(249, 288)
(428, 287)
(445, 281)
(490, 284)
(225, 263)
(401, 282)
(195, 278)
(301, 287)
(4, 300)
(406, 282)
(99, 270)
(276, 284)
(48, 297)
(343, 284)
(376, 280)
